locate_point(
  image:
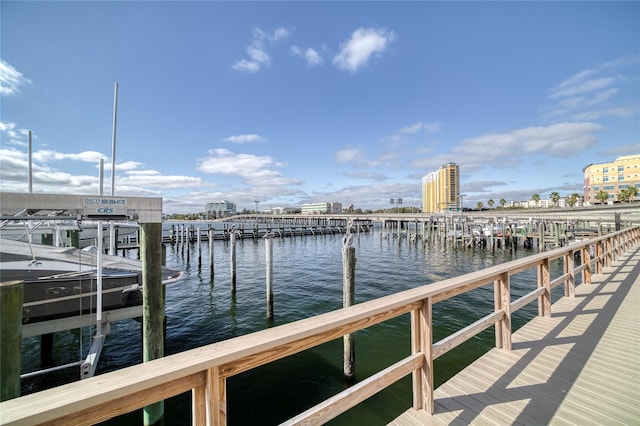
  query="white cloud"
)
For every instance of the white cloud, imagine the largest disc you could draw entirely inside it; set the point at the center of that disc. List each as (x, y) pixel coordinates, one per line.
(364, 43)
(574, 86)
(311, 56)
(254, 170)
(257, 50)
(86, 156)
(245, 138)
(349, 154)
(10, 79)
(417, 127)
(574, 98)
(280, 34)
(505, 150)
(244, 65)
(154, 179)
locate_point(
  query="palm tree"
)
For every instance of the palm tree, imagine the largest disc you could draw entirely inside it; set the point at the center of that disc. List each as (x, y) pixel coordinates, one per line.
(602, 196)
(491, 203)
(536, 199)
(623, 195)
(555, 197)
(633, 192)
(573, 199)
(480, 205)
(503, 202)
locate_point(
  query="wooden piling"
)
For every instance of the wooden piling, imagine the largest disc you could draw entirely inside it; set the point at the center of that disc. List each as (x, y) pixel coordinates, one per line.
(210, 234)
(232, 257)
(198, 241)
(152, 306)
(348, 297)
(11, 296)
(268, 244)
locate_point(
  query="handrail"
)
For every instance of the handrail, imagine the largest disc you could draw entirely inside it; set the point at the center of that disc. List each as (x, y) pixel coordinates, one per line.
(204, 370)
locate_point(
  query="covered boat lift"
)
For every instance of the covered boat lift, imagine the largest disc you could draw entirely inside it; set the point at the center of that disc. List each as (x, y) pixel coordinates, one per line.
(147, 212)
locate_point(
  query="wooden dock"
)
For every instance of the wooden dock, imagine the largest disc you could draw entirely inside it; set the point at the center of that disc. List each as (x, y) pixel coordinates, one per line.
(581, 366)
(576, 363)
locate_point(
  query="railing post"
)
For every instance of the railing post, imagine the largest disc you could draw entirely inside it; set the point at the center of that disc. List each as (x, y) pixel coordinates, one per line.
(217, 397)
(599, 257)
(502, 301)
(585, 257)
(544, 280)
(569, 268)
(421, 341)
(199, 406)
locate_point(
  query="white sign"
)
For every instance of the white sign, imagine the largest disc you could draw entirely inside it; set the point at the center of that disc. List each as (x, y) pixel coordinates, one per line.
(105, 205)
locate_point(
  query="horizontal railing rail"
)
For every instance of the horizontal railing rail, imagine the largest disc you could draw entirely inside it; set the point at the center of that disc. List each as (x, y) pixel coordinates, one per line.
(204, 370)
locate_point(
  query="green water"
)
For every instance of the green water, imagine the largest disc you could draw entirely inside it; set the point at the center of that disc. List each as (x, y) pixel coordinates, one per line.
(307, 281)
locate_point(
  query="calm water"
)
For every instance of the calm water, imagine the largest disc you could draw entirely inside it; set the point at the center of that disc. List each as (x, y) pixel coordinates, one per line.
(307, 273)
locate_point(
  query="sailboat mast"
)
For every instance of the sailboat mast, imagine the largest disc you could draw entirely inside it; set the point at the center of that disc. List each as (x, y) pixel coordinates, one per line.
(113, 139)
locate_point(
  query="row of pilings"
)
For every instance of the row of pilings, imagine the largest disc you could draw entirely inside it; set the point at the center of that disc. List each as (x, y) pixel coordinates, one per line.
(460, 231)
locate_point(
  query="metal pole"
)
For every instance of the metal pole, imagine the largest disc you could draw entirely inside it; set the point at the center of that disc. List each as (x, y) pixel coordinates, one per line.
(30, 164)
(113, 139)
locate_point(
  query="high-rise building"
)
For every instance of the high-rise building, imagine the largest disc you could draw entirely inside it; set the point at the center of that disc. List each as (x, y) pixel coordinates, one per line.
(441, 189)
(611, 177)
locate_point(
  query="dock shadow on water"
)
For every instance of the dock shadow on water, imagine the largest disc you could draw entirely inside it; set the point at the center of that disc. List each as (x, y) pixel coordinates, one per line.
(307, 281)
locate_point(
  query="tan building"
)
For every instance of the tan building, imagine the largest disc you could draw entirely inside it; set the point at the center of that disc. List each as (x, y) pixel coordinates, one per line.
(611, 177)
(441, 189)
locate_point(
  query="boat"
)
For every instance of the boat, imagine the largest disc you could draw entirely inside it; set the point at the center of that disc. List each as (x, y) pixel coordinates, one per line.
(62, 282)
(67, 232)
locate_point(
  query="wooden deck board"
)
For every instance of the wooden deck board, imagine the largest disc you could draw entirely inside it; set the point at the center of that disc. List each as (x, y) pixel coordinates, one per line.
(581, 366)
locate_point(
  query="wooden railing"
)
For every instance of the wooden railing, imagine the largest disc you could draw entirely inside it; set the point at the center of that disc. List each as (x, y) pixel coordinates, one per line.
(204, 370)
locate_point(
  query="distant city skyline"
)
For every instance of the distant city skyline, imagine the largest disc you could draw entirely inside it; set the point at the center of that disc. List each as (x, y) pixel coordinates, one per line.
(288, 103)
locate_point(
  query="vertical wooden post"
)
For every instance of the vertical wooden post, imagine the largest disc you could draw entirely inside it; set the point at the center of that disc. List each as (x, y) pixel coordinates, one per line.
(569, 268)
(152, 306)
(348, 297)
(585, 258)
(544, 280)
(421, 342)
(599, 257)
(232, 257)
(268, 244)
(198, 241)
(11, 296)
(502, 301)
(210, 235)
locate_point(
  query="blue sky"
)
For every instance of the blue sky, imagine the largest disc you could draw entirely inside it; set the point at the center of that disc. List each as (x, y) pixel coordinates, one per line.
(294, 102)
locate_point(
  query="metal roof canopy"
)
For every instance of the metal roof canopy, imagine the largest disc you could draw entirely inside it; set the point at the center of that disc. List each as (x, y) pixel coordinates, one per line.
(17, 205)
